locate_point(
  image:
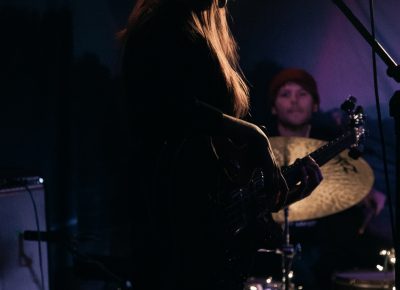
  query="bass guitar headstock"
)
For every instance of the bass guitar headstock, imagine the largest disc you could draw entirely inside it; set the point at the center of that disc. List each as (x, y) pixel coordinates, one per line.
(356, 117)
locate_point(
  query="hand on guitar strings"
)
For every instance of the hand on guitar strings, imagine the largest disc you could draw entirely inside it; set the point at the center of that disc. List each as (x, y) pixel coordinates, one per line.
(247, 148)
(310, 177)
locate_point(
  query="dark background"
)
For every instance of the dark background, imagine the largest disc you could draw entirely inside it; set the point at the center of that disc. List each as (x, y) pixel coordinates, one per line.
(62, 113)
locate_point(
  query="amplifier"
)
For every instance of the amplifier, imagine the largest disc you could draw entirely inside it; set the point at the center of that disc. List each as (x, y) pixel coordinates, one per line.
(19, 259)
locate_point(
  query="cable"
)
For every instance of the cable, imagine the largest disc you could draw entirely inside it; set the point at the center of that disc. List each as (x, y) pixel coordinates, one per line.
(379, 115)
(39, 240)
(124, 283)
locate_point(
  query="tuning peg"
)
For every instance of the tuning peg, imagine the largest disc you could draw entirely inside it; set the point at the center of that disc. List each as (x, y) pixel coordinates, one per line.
(359, 110)
(359, 116)
(353, 99)
(349, 104)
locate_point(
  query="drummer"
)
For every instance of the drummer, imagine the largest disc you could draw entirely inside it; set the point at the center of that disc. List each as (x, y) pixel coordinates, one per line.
(329, 244)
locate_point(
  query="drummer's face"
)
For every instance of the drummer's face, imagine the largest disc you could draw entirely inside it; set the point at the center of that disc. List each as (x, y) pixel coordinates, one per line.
(294, 105)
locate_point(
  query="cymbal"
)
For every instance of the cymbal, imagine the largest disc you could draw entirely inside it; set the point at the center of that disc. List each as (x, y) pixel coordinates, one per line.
(346, 181)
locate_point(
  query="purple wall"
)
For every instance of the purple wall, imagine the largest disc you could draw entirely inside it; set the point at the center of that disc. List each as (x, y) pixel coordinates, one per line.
(315, 35)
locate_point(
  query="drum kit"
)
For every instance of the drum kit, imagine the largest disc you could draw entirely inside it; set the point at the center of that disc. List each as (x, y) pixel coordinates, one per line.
(346, 182)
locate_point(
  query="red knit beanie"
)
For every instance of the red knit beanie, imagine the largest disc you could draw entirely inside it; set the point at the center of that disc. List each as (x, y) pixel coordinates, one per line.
(296, 75)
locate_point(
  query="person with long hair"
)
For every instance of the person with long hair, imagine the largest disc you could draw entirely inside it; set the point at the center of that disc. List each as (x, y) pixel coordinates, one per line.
(187, 98)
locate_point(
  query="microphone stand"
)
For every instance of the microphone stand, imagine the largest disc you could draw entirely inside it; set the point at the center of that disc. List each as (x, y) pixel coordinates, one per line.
(395, 113)
(393, 71)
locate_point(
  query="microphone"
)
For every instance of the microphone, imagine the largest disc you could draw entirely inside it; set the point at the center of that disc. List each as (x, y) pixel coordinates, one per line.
(45, 236)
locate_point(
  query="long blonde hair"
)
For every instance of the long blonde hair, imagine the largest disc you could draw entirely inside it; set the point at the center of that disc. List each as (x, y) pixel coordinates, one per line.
(213, 26)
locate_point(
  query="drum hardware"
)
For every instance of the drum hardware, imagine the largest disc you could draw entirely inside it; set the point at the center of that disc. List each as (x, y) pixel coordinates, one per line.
(266, 284)
(389, 261)
(371, 280)
(382, 279)
(288, 253)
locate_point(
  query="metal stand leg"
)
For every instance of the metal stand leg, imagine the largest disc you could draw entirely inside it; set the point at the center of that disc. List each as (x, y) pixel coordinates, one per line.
(288, 253)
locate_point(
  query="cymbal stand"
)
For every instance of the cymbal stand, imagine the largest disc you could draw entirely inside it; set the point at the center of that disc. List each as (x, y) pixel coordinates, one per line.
(288, 253)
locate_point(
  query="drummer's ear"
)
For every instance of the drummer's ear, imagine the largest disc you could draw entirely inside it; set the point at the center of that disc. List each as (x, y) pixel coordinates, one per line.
(315, 107)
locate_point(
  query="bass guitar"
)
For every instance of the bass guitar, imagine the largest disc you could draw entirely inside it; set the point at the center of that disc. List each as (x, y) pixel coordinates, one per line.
(247, 223)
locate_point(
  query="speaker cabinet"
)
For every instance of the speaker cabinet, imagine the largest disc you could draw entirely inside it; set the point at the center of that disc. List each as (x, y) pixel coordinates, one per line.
(19, 259)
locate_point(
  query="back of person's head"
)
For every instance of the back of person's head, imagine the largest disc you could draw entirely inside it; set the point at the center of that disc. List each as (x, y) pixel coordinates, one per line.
(295, 75)
(202, 4)
(145, 8)
(208, 19)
